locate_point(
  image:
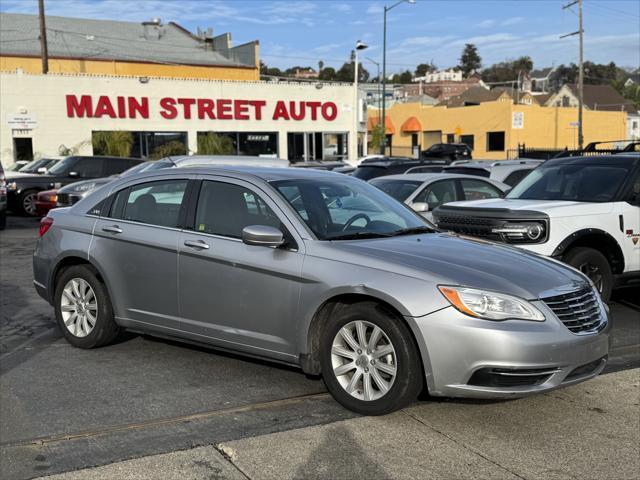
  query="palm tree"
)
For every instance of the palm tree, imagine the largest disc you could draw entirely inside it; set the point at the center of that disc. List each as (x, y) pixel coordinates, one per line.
(116, 143)
(213, 144)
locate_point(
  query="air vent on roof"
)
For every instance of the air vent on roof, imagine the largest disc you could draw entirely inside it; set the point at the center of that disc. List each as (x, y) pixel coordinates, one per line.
(152, 29)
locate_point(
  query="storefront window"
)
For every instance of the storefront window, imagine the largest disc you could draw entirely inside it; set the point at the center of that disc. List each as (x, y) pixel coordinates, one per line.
(238, 143)
(314, 146)
(335, 146)
(139, 144)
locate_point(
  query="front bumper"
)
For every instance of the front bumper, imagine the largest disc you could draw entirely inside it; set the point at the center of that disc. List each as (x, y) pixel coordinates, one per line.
(469, 357)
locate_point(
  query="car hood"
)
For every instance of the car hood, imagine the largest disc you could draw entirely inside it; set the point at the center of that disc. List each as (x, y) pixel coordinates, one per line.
(17, 175)
(455, 260)
(553, 208)
(91, 184)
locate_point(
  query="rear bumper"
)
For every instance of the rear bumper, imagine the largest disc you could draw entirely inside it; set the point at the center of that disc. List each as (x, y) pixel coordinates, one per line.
(467, 357)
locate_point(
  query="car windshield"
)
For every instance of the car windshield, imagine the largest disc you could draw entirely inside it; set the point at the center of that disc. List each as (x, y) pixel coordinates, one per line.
(63, 166)
(34, 165)
(398, 189)
(572, 182)
(342, 210)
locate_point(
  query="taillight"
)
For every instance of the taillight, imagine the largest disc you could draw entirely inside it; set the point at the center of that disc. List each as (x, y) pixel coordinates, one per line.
(45, 225)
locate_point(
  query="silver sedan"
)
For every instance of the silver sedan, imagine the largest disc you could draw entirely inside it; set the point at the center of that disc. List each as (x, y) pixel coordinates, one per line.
(322, 271)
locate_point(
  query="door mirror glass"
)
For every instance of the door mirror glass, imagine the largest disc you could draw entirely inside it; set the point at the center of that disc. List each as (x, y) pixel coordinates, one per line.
(74, 174)
(262, 235)
(420, 207)
(42, 170)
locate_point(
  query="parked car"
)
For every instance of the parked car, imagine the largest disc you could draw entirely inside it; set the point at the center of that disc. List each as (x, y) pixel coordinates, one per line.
(451, 151)
(45, 201)
(23, 188)
(584, 211)
(321, 271)
(321, 165)
(393, 166)
(34, 167)
(426, 191)
(3, 199)
(506, 171)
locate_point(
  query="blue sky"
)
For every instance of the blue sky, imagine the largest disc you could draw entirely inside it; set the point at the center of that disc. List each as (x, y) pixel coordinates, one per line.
(302, 32)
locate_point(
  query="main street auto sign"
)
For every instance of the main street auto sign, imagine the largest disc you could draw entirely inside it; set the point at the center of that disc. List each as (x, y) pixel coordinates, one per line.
(169, 108)
(21, 122)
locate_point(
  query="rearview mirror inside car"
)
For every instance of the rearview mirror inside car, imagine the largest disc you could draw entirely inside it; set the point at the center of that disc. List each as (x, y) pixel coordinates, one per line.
(262, 235)
(420, 207)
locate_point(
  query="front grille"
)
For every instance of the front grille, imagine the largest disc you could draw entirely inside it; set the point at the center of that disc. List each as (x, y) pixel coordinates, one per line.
(66, 199)
(579, 310)
(468, 225)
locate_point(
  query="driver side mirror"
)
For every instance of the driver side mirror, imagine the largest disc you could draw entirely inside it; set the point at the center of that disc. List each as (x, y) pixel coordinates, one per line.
(74, 174)
(420, 207)
(42, 170)
(262, 235)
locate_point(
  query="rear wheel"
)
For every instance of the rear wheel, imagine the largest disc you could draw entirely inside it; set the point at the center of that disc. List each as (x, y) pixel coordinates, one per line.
(27, 202)
(595, 266)
(83, 308)
(369, 360)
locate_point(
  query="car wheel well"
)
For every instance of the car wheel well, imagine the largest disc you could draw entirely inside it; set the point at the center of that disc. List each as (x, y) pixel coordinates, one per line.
(71, 262)
(603, 243)
(310, 362)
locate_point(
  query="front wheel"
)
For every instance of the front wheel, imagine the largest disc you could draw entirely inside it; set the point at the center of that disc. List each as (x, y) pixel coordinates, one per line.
(595, 266)
(369, 360)
(27, 202)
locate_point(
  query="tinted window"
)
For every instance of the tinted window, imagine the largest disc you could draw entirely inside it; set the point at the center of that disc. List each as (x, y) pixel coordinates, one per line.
(514, 177)
(225, 209)
(155, 203)
(478, 190)
(368, 172)
(579, 183)
(437, 194)
(116, 165)
(63, 166)
(480, 172)
(398, 189)
(88, 167)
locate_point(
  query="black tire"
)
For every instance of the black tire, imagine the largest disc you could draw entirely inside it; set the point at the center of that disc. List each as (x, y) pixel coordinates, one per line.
(27, 203)
(595, 266)
(3, 219)
(105, 329)
(408, 381)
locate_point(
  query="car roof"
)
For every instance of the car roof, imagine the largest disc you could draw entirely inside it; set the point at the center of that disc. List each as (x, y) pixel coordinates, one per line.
(228, 160)
(426, 177)
(625, 159)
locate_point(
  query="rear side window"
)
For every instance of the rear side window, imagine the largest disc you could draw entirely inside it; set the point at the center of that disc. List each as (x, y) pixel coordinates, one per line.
(154, 203)
(438, 193)
(514, 177)
(478, 190)
(88, 168)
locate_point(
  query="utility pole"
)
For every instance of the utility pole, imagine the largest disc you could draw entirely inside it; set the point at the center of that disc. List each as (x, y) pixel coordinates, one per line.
(43, 38)
(580, 33)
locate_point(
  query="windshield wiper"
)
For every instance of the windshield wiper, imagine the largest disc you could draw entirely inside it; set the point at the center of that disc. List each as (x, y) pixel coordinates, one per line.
(411, 231)
(358, 235)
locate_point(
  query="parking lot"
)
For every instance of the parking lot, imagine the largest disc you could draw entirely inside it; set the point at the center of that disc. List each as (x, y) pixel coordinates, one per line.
(63, 408)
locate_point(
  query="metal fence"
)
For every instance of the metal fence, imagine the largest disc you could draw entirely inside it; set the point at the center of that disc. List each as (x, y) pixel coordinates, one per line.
(593, 148)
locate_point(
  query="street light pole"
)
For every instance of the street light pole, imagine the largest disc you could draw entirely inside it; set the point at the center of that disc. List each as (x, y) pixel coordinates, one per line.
(379, 83)
(44, 51)
(580, 33)
(383, 119)
(359, 46)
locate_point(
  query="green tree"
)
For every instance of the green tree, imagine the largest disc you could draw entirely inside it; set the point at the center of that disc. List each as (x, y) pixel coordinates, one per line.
(345, 73)
(470, 60)
(327, 74)
(169, 149)
(504, 72)
(320, 66)
(117, 143)
(377, 137)
(213, 144)
(424, 68)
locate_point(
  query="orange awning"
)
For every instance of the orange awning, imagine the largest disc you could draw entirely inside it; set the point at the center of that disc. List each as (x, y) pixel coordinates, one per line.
(374, 121)
(411, 125)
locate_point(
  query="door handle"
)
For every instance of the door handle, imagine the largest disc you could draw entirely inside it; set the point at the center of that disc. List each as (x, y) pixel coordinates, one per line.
(197, 244)
(112, 229)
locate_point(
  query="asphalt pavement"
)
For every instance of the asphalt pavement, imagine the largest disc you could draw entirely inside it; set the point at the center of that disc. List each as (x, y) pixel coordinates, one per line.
(64, 409)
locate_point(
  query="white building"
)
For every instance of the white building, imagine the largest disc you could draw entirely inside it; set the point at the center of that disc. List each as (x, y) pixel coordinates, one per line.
(450, 75)
(46, 114)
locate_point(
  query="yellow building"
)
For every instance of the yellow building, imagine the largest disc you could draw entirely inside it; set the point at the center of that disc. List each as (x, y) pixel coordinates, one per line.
(495, 129)
(106, 47)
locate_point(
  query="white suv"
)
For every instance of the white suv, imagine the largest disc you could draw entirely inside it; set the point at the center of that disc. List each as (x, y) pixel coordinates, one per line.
(584, 211)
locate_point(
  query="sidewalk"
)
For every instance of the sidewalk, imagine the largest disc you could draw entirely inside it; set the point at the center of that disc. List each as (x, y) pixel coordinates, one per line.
(589, 431)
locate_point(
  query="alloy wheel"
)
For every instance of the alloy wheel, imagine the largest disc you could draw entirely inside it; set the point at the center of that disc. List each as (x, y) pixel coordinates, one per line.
(364, 360)
(29, 204)
(594, 274)
(79, 307)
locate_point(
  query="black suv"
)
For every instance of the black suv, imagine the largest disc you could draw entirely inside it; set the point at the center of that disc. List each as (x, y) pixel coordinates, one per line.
(382, 166)
(451, 151)
(22, 190)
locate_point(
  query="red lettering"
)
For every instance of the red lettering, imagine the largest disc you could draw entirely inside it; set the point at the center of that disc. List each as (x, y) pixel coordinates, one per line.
(205, 106)
(169, 108)
(280, 111)
(186, 105)
(313, 106)
(122, 112)
(224, 109)
(329, 116)
(80, 108)
(240, 110)
(104, 107)
(257, 106)
(292, 109)
(136, 107)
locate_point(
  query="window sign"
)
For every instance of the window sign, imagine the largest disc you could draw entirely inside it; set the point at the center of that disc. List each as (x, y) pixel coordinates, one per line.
(517, 120)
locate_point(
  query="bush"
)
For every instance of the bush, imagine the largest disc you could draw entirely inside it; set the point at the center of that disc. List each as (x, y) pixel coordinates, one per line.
(213, 144)
(115, 143)
(169, 149)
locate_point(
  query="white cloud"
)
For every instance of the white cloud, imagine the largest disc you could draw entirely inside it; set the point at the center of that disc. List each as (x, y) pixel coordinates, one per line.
(512, 21)
(375, 9)
(486, 24)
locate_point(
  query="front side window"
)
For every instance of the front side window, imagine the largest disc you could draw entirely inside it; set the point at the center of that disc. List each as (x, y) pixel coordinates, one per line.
(578, 183)
(515, 177)
(336, 210)
(479, 190)
(225, 209)
(398, 189)
(88, 167)
(154, 203)
(438, 193)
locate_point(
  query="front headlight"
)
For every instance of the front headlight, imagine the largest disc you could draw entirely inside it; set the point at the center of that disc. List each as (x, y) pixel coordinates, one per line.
(490, 305)
(522, 232)
(12, 186)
